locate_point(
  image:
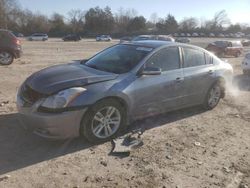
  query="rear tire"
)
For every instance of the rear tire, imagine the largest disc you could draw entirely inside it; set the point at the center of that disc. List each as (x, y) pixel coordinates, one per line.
(104, 121)
(6, 58)
(237, 54)
(213, 96)
(246, 72)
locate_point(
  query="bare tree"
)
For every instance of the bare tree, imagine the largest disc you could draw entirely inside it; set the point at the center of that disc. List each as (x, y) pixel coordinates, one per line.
(122, 19)
(7, 8)
(188, 24)
(76, 19)
(58, 26)
(154, 18)
(221, 19)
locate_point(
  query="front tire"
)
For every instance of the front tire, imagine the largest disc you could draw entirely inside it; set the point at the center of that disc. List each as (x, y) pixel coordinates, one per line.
(213, 96)
(6, 58)
(104, 121)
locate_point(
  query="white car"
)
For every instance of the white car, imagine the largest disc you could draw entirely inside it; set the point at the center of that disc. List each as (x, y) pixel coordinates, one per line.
(103, 38)
(38, 37)
(195, 35)
(246, 64)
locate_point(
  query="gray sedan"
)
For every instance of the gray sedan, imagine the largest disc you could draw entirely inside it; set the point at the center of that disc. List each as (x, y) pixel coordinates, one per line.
(98, 97)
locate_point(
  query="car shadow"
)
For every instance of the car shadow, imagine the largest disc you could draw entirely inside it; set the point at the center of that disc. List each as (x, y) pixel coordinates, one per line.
(242, 82)
(20, 148)
(164, 118)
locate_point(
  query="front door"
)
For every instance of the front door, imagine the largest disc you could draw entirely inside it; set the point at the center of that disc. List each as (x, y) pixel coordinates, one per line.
(160, 93)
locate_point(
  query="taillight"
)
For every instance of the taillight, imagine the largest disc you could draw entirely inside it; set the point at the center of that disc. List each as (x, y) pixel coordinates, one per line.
(17, 41)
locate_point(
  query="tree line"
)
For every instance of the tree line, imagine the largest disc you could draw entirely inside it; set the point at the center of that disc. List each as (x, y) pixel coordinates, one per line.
(103, 21)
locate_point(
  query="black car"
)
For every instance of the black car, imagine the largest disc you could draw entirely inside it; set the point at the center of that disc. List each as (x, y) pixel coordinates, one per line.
(10, 47)
(71, 37)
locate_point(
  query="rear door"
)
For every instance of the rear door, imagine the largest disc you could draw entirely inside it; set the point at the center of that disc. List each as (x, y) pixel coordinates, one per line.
(160, 93)
(198, 74)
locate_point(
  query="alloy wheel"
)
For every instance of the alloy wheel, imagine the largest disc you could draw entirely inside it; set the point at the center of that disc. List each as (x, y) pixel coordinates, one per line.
(214, 96)
(106, 122)
(5, 58)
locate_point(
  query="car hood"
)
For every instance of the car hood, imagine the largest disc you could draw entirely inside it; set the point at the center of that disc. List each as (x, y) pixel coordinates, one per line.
(54, 79)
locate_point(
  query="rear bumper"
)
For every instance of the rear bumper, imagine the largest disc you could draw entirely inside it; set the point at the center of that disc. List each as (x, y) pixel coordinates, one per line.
(18, 53)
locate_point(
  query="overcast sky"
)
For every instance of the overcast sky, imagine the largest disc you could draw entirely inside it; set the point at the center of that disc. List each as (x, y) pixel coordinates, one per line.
(238, 10)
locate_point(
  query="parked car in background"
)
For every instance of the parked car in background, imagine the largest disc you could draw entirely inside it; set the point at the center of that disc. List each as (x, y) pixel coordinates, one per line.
(98, 97)
(183, 40)
(17, 34)
(125, 39)
(246, 64)
(245, 42)
(221, 35)
(144, 37)
(202, 34)
(176, 35)
(154, 37)
(38, 37)
(195, 35)
(103, 38)
(211, 35)
(222, 48)
(10, 47)
(231, 35)
(71, 37)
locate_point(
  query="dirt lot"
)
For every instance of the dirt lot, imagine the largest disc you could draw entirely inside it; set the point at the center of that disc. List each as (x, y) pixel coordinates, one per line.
(168, 158)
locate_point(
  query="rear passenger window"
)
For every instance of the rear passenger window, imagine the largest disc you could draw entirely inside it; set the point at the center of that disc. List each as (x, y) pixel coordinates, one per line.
(209, 59)
(166, 59)
(193, 57)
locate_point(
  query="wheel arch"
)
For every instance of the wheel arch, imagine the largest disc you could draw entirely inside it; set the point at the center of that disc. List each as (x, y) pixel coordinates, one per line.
(122, 101)
(222, 82)
(123, 104)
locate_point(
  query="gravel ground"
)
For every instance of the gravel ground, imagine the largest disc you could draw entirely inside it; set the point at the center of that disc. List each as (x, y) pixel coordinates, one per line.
(170, 156)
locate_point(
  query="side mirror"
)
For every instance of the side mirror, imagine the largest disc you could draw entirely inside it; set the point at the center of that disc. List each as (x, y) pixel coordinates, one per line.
(84, 61)
(151, 71)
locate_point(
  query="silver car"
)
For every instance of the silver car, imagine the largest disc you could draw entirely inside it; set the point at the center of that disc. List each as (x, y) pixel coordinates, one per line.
(38, 37)
(98, 97)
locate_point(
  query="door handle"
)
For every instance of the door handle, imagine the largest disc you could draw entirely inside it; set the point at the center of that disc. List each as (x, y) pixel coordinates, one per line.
(179, 79)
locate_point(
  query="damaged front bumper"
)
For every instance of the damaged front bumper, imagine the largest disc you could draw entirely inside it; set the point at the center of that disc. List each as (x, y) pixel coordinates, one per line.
(62, 125)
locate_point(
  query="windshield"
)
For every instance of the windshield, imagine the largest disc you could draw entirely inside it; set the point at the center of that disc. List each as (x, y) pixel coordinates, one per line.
(118, 59)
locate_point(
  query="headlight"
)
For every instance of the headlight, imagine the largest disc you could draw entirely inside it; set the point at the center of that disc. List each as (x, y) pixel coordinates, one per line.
(63, 98)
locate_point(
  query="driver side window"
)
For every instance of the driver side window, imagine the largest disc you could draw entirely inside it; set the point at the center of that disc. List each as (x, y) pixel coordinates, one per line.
(166, 59)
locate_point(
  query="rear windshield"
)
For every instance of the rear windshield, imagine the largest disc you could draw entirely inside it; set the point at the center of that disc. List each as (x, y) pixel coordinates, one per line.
(118, 59)
(221, 43)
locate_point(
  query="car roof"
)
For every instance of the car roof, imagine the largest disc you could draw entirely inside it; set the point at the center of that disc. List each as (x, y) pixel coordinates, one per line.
(150, 43)
(158, 44)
